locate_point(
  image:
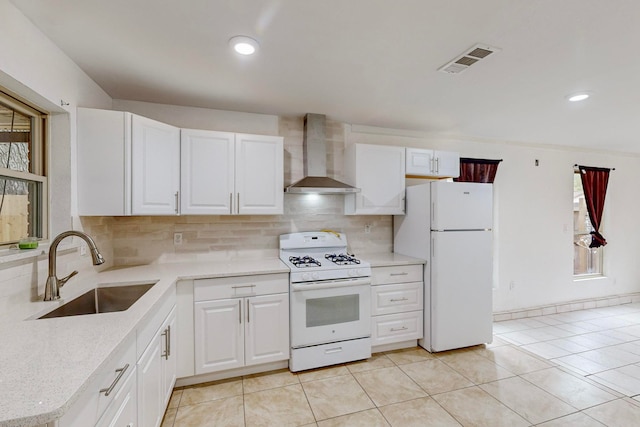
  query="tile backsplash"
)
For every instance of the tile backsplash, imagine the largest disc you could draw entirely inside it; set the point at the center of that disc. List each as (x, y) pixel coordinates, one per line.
(149, 240)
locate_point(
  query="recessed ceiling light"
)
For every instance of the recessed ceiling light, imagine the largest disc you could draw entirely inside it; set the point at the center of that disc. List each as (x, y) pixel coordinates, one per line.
(244, 45)
(578, 97)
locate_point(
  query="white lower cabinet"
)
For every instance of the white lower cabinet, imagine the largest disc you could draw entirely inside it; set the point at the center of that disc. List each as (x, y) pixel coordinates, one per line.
(236, 330)
(397, 298)
(135, 386)
(157, 374)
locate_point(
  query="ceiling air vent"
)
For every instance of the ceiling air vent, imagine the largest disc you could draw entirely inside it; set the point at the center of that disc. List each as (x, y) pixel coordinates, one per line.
(467, 59)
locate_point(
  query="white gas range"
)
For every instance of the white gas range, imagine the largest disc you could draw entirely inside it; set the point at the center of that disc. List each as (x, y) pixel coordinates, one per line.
(330, 300)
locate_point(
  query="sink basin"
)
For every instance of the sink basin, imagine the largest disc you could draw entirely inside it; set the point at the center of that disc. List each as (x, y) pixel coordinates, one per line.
(101, 300)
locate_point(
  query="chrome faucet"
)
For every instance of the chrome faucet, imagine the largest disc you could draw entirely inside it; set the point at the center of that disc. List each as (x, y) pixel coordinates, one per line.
(53, 285)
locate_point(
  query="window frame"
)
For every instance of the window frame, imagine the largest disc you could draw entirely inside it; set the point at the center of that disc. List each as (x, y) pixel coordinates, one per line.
(581, 276)
(37, 161)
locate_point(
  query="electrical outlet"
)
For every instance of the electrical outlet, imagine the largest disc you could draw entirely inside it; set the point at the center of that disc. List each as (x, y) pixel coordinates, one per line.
(177, 239)
(512, 285)
(83, 249)
(367, 228)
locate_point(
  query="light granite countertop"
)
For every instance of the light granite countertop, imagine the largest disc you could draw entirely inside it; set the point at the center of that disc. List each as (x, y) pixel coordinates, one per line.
(386, 259)
(46, 364)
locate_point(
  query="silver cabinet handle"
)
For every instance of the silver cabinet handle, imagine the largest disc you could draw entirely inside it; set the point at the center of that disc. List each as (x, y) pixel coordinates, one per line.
(238, 203)
(399, 274)
(404, 328)
(167, 342)
(243, 286)
(437, 165)
(107, 391)
(230, 203)
(177, 195)
(240, 311)
(248, 311)
(333, 350)
(399, 299)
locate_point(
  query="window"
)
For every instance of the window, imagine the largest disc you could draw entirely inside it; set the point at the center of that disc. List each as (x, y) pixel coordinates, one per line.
(586, 261)
(23, 185)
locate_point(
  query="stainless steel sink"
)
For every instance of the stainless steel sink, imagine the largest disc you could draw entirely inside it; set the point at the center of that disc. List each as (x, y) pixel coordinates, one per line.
(101, 300)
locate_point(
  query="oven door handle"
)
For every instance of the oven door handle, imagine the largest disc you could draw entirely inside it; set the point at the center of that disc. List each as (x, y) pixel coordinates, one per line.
(309, 286)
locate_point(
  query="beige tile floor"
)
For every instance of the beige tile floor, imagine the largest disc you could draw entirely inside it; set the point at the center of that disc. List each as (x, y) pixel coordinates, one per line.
(580, 368)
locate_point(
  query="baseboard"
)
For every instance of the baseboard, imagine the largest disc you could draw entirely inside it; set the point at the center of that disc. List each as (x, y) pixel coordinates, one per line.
(231, 373)
(564, 307)
(394, 346)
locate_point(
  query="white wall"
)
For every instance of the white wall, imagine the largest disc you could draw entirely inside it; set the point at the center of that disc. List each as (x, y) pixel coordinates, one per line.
(33, 68)
(534, 218)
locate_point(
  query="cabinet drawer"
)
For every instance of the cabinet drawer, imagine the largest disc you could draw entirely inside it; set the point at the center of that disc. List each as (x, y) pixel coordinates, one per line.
(396, 274)
(240, 286)
(397, 298)
(123, 409)
(92, 402)
(117, 371)
(399, 327)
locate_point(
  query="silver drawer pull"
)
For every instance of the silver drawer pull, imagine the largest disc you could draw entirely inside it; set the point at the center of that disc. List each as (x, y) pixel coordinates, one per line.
(399, 274)
(121, 371)
(404, 328)
(399, 299)
(243, 286)
(333, 350)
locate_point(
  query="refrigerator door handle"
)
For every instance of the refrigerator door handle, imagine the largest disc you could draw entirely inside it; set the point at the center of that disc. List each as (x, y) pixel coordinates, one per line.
(433, 247)
(433, 214)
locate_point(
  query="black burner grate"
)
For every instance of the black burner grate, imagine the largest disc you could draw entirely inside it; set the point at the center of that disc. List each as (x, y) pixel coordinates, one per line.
(342, 259)
(304, 261)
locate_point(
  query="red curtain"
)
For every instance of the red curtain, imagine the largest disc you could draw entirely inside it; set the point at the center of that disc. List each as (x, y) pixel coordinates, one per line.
(477, 170)
(594, 184)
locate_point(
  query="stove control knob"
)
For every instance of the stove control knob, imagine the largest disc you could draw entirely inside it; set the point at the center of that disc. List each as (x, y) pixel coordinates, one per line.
(305, 277)
(315, 276)
(353, 273)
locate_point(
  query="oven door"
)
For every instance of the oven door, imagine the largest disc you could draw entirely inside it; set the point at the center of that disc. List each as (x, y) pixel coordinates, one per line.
(324, 312)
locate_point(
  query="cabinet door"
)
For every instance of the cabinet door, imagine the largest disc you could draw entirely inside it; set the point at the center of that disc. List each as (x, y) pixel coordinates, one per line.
(420, 162)
(380, 175)
(219, 342)
(155, 167)
(267, 329)
(104, 162)
(150, 407)
(447, 163)
(169, 347)
(259, 175)
(207, 172)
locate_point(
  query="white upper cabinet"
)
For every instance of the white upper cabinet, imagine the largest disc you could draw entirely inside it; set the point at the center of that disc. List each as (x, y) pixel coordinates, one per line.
(155, 167)
(432, 163)
(127, 164)
(225, 173)
(259, 174)
(379, 172)
(207, 172)
(104, 162)
(132, 165)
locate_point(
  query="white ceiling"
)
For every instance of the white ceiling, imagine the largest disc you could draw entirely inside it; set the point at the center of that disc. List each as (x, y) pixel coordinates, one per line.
(372, 62)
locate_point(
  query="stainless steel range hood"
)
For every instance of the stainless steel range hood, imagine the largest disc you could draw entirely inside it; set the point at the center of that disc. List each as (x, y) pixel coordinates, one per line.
(314, 153)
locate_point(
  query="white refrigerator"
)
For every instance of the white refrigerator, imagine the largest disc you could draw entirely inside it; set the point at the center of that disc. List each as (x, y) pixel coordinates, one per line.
(449, 224)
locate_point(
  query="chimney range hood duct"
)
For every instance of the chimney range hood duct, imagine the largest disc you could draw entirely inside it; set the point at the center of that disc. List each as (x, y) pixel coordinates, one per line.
(314, 153)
